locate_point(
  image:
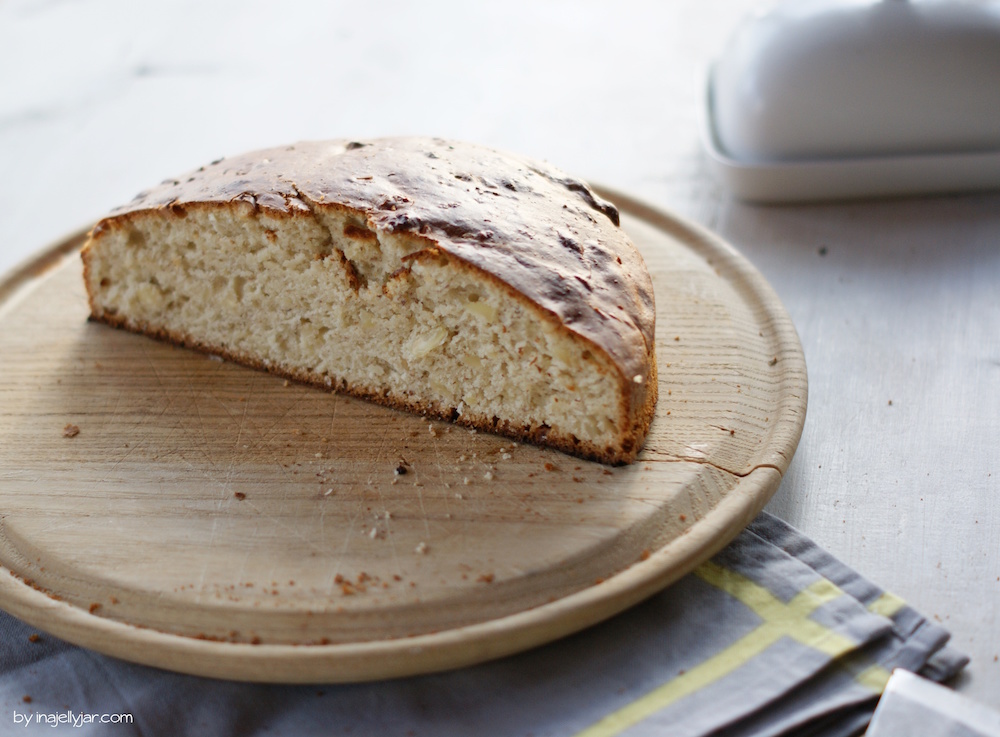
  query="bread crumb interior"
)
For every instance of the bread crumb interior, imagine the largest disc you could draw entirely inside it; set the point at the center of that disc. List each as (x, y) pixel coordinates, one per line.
(328, 299)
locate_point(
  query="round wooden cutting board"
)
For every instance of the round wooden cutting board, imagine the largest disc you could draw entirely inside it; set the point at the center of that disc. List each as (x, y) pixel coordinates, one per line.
(172, 509)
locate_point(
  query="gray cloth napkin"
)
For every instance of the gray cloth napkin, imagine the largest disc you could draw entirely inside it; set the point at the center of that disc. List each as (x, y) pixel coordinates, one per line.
(773, 636)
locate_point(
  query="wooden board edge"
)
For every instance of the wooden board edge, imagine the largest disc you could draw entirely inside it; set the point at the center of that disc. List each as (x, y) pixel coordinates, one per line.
(36, 266)
(368, 661)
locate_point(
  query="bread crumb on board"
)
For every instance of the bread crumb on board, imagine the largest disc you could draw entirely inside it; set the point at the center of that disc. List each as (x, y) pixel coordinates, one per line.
(71, 431)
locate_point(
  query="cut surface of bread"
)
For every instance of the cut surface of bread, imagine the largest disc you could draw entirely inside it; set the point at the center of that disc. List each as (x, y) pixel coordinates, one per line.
(428, 275)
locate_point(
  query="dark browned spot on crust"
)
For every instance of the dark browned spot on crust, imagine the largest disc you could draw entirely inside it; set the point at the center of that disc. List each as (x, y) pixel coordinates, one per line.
(358, 233)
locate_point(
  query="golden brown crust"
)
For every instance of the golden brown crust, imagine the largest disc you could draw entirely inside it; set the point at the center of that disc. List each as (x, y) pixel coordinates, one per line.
(546, 235)
(545, 239)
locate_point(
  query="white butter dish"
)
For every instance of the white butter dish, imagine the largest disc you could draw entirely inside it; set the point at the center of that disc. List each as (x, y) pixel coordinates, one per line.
(826, 99)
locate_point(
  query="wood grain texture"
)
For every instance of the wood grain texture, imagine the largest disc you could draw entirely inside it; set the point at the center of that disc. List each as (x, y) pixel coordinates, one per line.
(217, 520)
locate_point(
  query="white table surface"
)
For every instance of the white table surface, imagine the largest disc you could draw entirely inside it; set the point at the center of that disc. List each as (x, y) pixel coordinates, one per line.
(897, 303)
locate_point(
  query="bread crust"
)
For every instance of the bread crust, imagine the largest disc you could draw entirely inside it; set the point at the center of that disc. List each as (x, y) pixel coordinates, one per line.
(546, 240)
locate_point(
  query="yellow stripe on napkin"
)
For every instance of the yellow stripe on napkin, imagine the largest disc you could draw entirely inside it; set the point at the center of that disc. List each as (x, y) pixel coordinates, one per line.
(780, 620)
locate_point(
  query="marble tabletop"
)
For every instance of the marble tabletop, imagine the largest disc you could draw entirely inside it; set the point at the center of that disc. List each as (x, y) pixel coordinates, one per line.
(896, 302)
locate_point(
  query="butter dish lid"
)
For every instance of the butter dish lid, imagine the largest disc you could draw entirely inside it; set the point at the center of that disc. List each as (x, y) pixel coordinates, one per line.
(829, 99)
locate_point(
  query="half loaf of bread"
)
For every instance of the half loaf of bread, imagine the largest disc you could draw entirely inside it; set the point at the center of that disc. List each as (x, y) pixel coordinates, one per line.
(428, 275)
